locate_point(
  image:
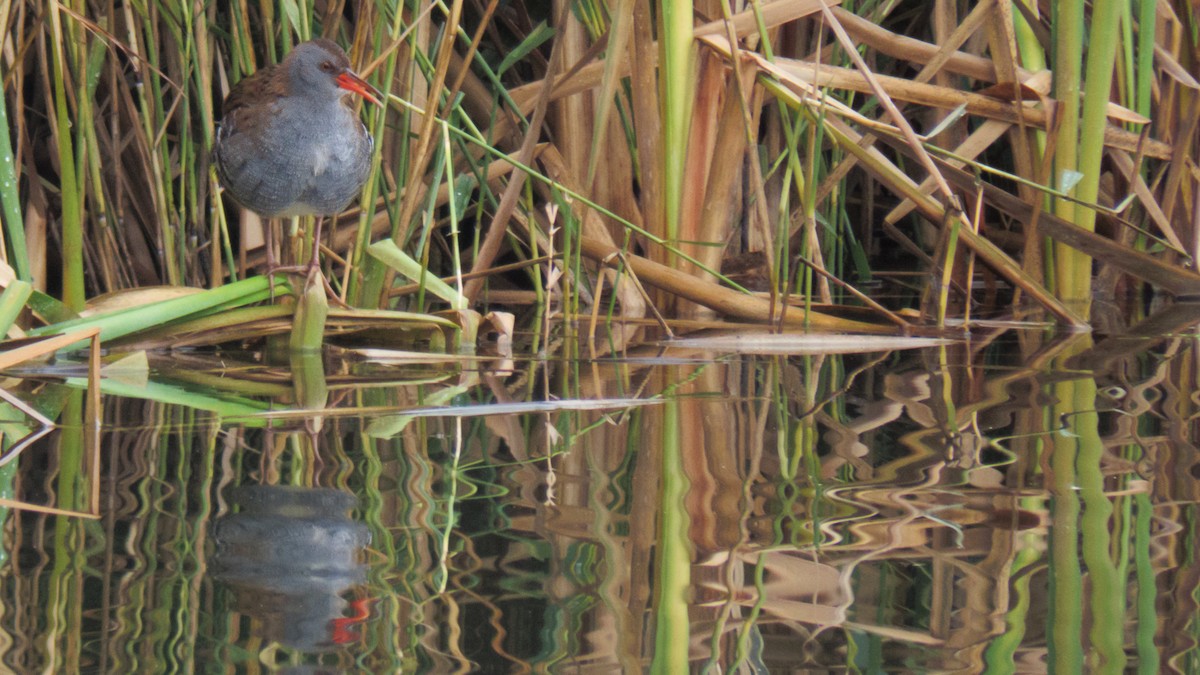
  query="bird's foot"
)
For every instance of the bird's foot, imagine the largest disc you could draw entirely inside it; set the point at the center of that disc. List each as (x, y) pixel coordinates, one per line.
(312, 274)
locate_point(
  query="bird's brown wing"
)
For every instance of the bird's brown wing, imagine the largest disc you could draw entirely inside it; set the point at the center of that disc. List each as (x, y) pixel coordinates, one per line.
(250, 93)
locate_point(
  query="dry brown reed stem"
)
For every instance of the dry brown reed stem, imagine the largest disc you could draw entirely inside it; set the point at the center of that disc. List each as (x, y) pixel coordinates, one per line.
(424, 146)
(50, 510)
(987, 251)
(1165, 276)
(617, 41)
(980, 140)
(888, 173)
(589, 77)
(725, 301)
(725, 178)
(494, 234)
(973, 66)
(632, 301)
(1125, 165)
(704, 246)
(1003, 41)
(882, 95)
(647, 120)
(948, 99)
(932, 68)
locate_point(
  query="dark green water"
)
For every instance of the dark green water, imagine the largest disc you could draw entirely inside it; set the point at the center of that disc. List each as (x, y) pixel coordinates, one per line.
(1019, 502)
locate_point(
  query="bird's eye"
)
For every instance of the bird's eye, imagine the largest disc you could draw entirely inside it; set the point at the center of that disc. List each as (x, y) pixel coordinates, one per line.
(327, 66)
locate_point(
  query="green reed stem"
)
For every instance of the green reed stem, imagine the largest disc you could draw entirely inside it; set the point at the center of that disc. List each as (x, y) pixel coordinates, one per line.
(1148, 658)
(676, 87)
(1067, 40)
(673, 563)
(308, 323)
(151, 105)
(14, 222)
(1065, 617)
(1145, 55)
(364, 287)
(12, 302)
(1101, 55)
(69, 192)
(1107, 606)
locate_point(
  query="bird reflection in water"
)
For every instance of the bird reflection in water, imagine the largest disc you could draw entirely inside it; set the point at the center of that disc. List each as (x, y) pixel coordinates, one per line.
(288, 555)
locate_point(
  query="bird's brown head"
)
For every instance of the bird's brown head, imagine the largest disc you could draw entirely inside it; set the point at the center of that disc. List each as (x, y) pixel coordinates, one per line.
(320, 68)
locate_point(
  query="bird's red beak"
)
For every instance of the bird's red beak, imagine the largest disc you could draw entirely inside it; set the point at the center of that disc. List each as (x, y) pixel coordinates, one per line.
(353, 83)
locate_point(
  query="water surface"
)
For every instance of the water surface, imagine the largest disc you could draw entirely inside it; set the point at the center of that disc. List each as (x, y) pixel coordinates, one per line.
(1018, 501)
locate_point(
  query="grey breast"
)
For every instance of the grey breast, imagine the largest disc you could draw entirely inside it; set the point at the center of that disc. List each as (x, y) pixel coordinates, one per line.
(295, 166)
(340, 163)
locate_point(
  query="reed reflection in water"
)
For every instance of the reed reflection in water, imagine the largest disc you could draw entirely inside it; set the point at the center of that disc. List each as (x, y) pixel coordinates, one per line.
(1017, 502)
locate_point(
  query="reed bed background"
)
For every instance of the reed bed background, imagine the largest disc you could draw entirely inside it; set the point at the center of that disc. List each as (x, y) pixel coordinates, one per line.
(807, 149)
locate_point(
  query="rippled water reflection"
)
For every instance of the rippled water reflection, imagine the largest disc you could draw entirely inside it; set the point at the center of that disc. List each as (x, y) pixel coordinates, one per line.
(1019, 502)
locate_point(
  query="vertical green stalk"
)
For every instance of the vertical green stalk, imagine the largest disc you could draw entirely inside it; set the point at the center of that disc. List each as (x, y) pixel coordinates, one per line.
(64, 602)
(1101, 55)
(813, 245)
(12, 302)
(675, 84)
(453, 207)
(14, 222)
(309, 382)
(364, 287)
(150, 106)
(429, 217)
(947, 270)
(1032, 56)
(72, 209)
(1034, 59)
(572, 259)
(1107, 599)
(792, 175)
(90, 159)
(1147, 587)
(1066, 579)
(198, 48)
(1067, 40)
(1000, 656)
(1080, 145)
(1145, 56)
(673, 564)
(1127, 67)
(308, 323)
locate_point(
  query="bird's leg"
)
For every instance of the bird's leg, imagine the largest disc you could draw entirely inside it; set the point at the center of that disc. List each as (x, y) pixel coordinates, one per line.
(315, 260)
(314, 267)
(273, 263)
(287, 251)
(269, 242)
